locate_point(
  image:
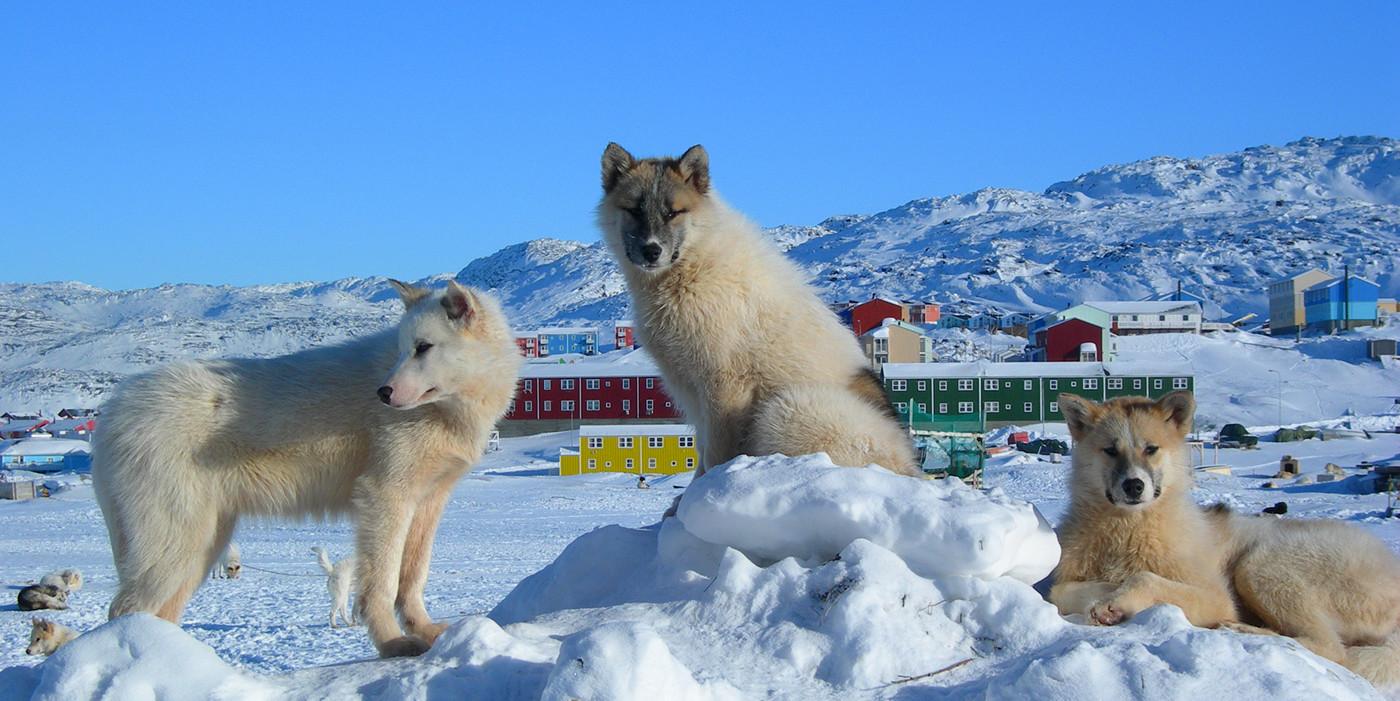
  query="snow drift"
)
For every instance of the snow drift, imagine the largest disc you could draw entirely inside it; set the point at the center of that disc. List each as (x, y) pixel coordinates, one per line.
(779, 578)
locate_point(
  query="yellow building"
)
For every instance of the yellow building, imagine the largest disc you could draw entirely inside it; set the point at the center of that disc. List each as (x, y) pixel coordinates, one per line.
(654, 449)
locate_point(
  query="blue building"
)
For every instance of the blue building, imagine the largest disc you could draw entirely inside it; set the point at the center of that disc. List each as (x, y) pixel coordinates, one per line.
(1340, 304)
(564, 340)
(46, 454)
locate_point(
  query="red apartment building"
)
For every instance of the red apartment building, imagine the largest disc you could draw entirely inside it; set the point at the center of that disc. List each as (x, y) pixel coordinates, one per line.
(559, 397)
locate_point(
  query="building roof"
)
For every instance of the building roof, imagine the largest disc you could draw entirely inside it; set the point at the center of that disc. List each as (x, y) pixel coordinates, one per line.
(25, 425)
(44, 445)
(983, 368)
(1146, 307)
(883, 330)
(636, 363)
(610, 430)
(1337, 281)
(69, 424)
(566, 330)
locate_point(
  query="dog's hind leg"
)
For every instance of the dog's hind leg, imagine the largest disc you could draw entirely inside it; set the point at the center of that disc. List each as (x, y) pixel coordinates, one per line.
(413, 575)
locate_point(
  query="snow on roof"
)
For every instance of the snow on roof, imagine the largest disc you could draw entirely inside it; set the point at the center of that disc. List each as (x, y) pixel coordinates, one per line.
(1144, 307)
(68, 424)
(44, 445)
(28, 425)
(610, 430)
(561, 330)
(983, 368)
(1337, 281)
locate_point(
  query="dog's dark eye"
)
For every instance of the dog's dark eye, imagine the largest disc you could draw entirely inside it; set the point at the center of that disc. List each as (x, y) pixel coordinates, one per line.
(676, 213)
(421, 348)
(1111, 451)
(637, 213)
(1150, 450)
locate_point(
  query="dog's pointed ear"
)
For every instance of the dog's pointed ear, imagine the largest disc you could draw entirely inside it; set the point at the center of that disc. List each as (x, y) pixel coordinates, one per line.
(410, 294)
(1180, 408)
(460, 303)
(1080, 414)
(695, 168)
(616, 162)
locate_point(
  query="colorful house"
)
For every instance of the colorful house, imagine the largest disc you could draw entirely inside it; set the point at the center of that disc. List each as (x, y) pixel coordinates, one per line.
(529, 344)
(896, 342)
(1138, 318)
(624, 335)
(19, 427)
(979, 395)
(1286, 308)
(1341, 304)
(868, 315)
(563, 396)
(639, 450)
(1054, 339)
(43, 453)
(582, 340)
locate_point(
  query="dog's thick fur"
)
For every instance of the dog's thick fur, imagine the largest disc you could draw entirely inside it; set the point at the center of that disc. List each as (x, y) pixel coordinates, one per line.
(758, 363)
(69, 579)
(1128, 546)
(37, 597)
(340, 578)
(46, 637)
(230, 564)
(187, 450)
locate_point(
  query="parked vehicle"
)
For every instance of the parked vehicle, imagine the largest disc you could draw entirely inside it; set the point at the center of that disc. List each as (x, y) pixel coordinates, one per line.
(1236, 436)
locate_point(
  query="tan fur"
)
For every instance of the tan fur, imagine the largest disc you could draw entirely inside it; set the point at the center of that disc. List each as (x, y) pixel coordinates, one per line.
(187, 450)
(1331, 586)
(757, 362)
(69, 579)
(46, 637)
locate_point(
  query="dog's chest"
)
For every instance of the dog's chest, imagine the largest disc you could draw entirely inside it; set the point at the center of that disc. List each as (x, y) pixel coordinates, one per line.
(1114, 552)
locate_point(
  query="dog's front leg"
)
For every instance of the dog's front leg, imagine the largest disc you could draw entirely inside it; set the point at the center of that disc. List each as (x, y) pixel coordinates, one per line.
(383, 513)
(1205, 605)
(1076, 597)
(418, 551)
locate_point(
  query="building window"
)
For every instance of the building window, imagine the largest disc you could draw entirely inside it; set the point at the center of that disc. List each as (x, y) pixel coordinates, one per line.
(651, 382)
(690, 463)
(989, 385)
(964, 407)
(527, 385)
(651, 406)
(991, 407)
(943, 408)
(1137, 384)
(1157, 384)
(545, 405)
(544, 384)
(512, 407)
(966, 385)
(1091, 383)
(565, 384)
(898, 385)
(1185, 317)
(1115, 383)
(901, 407)
(1054, 384)
(626, 406)
(1028, 408)
(655, 441)
(651, 463)
(590, 384)
(591, 405)
(595, 444)
(687, 441)
(1029, 385)
(626, 383)
(625, 442)
(592, 464)
(1161, 317)
(1178, 383)
(922, 385)
(528, 408)
(1054, 407)
(923, 408)
(942, 385)
(566, 405)
(628, 466)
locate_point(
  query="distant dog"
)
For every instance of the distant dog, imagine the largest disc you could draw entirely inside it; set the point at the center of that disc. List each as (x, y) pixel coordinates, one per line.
(46, 637)
(230, 564)
(187, 450)
(37, 597)
(340, 577)
(758, 363)
(1134, 538)
(69, 579)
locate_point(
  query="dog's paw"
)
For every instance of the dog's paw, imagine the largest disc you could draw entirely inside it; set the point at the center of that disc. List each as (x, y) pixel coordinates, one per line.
(431, 632)
(1107, 613)
(404, 646)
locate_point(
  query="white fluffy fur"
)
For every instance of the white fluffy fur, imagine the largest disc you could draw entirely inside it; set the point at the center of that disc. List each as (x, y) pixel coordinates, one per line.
(230, 564)
(340, 577)
(69, 579)
(187, 450)
(758, 363)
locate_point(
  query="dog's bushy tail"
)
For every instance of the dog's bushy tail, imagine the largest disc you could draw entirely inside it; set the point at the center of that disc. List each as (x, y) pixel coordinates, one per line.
(322, 559)
(1378, 664)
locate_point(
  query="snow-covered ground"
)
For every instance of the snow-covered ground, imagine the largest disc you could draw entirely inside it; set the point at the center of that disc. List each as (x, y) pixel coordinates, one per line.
(592, 600)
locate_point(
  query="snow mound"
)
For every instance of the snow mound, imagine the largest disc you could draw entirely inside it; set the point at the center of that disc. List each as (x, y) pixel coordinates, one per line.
(774, 507)
(141, 656)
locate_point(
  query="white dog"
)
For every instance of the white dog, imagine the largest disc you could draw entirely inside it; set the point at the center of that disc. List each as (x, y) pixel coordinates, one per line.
(46, 637)
(68, 579)
(230, 564)
(340, 577)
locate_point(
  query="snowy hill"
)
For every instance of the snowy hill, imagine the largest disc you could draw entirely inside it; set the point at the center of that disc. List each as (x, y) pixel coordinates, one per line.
(1222, 226)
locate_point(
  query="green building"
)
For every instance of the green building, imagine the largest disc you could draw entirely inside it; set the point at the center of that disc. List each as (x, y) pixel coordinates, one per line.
(973, 397)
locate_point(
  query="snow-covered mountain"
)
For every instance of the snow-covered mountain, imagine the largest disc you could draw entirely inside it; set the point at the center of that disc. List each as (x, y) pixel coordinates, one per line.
(1220, 226)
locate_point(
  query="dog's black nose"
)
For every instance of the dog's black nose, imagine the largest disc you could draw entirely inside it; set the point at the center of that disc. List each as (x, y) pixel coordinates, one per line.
(651, 252)
(1133, 488)
(385, 392)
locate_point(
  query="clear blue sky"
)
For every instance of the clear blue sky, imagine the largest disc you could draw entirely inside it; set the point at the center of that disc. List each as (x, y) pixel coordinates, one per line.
(252, 142)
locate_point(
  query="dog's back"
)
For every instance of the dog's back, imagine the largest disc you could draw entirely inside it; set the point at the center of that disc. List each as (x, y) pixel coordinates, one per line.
(42, 596)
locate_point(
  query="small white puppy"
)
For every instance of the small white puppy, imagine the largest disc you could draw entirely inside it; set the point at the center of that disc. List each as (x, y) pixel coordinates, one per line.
(46, 637)
(340, 577)
(230, 563)
(68, 579)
